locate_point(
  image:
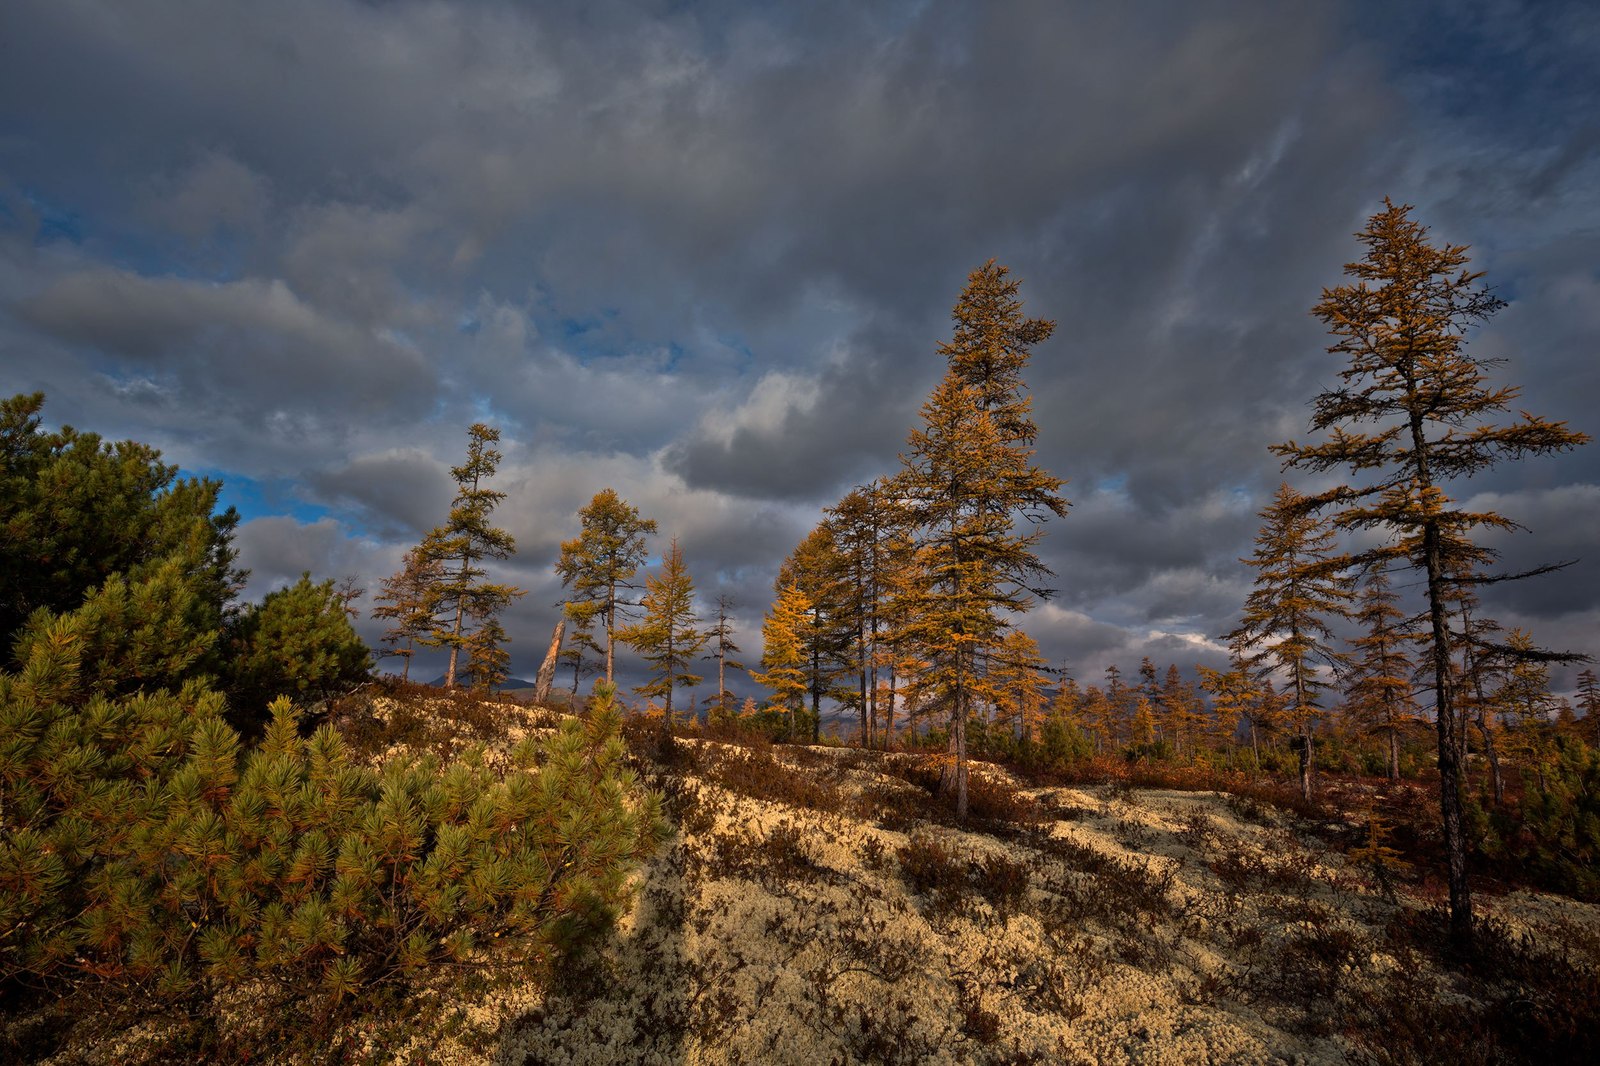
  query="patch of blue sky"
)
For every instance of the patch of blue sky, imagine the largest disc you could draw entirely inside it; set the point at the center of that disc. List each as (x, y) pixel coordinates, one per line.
(575, 328)
(219, 257)
(1112, 484)
(52, 222)
(254, 498)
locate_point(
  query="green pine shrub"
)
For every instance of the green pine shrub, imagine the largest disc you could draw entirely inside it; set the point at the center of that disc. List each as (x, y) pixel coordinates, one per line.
(142, 843)
(297, 642)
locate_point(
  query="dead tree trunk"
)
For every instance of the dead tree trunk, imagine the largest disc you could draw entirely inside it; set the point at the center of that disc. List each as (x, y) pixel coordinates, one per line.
(547, 671)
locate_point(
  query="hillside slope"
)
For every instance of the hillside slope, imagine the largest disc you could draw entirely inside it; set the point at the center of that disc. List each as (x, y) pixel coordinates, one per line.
(819, 905)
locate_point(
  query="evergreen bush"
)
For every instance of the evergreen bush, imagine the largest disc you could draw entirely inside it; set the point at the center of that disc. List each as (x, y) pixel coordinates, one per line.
(298, 642)
(141, 843)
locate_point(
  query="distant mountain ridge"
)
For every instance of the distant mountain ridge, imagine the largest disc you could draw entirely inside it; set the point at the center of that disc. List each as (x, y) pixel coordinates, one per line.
(511, 684)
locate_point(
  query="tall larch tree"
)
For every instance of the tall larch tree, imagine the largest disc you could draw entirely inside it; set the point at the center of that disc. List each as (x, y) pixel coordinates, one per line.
(1525, 703)
(461, 547)
(1285, 629)
(667, 636)
(600, 563)
(967, 479)
(582, 654)
(1481, 653)
(1414, 412)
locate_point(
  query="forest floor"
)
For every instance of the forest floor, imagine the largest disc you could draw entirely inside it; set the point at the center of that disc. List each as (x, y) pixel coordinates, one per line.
(820, 905)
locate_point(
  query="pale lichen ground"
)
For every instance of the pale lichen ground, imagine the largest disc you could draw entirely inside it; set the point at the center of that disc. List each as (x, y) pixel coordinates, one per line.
(1154, 927)
(769, 932)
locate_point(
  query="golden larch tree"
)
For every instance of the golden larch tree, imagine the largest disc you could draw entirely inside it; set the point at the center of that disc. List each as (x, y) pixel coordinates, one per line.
(1414, 412)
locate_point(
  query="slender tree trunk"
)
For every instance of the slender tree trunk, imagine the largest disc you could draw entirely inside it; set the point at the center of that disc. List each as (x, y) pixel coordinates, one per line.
(722, 685)
(888, 724)
(961, 755)
(1394, 753)
(816, 696)
(1496, 781)
(455, 646)
(954, 779)
(1451, 813)
(1302, 712)
(1305, 762)
(611, 633)
(1491, 752)
(669, 679)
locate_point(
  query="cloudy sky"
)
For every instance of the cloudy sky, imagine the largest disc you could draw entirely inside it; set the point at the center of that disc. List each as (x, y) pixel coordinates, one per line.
(703, 253)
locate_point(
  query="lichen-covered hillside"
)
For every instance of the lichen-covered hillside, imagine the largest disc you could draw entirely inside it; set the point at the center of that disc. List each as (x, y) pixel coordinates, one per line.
(819, 905)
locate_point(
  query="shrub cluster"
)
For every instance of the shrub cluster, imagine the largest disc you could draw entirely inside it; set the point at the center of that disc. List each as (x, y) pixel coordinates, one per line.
(143, 844)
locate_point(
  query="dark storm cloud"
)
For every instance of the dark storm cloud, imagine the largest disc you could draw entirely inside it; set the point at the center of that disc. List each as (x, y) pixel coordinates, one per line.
(798, 437)
(403, 492)
(704, 253)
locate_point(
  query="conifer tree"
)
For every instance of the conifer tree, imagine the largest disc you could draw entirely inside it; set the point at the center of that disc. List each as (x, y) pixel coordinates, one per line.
(1416, 411)
(600, 563)
(75, 510)
(1589, 703)
(1378, 694)
(407, 599)
(582, 652)
(1525, 702)
(968, 477)
(1298, 589)
(1482, 654)
(1016, 680)
(666, 636)
(1100, 715)
(783, 651)
(1181, 711)
(857, 524)
(461, 546)
(720, 637)
(1234, 698)
(298, 642)
(817, 568)
(1066, 727)
(488, 662)
(1119, 706)
(1142, 728)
